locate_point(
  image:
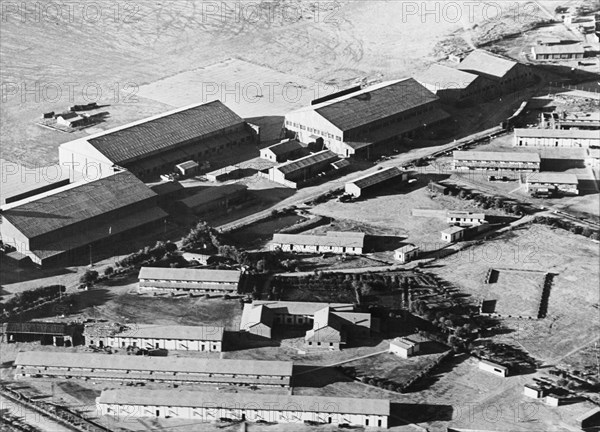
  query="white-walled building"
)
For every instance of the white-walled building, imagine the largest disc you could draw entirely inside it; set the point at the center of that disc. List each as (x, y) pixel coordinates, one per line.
(294, 173)
(177, 338)
(507, 74)
(532, 391)
(494, 368)
(557, 52)
(551, 182)
(533, 137)
(406, 253)
(464, 218)
(205, 281)
(372, 181)
(453, 234)
(495, 161)
(130, 368)
(251, 407)
(351, 243)
(405, 347)
(287, 149)
(353, 123)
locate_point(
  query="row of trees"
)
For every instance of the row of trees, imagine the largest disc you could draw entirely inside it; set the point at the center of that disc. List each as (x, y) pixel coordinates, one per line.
(29, 298)
(148, 254)
(569, 226)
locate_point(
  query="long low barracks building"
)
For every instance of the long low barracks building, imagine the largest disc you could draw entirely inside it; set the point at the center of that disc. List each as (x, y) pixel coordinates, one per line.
(35, 364)
(253, 407)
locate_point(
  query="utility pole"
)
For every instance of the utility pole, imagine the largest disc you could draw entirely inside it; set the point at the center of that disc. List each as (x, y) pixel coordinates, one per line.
(91, 263)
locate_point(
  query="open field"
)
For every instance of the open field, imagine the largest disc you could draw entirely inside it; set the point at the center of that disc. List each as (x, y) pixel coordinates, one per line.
(514, 292)
(331, 44)
(571, 319)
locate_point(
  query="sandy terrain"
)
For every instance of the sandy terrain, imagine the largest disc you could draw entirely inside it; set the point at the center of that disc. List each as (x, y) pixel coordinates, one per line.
(142, 43)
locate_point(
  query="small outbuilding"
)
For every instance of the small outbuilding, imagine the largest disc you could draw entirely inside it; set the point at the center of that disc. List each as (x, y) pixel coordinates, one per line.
(406, 253)
(377, 179)
(589, 419)
(453, 234)
(494, 368)
(532, 391)
(283, 151)
(187, 168)
(405, 347)
(464, 218)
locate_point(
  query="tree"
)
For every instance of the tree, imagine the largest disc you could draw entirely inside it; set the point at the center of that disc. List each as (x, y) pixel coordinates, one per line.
(261, 265)
(108, 271)
(89, 277)
(462, 194)
(587, 231)
(498, 203)
(516, 209)
(170, 247)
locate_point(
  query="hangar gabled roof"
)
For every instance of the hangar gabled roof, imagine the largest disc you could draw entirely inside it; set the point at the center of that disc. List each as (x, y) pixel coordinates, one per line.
(376, 177)
(444, 77)
(374, 103)
(252, 400)
(306, 161)
(163, 132)
(488, 64)
(76, 203)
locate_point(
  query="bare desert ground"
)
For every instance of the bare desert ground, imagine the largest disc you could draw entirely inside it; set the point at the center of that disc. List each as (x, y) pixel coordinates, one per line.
(127, 56)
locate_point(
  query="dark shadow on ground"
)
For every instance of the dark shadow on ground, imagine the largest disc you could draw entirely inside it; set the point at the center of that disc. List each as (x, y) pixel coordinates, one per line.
(377, 243)
(402, 414)
(317, 376)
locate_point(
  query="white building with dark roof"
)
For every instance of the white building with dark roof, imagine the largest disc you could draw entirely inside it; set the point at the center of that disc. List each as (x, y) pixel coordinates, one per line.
(37, 364)
(351, 243)
(455, 86)
(296, 172)
(465, 218)
(57, 225)
(188, 280)
(287, 149)
(407, 346)
(331, 322)
(553, 182)
(156, 144)
(374, 180)
(172, 338)
(353, 123)
(495, 161)
(533, 137)
(240, 406)
(558, 52)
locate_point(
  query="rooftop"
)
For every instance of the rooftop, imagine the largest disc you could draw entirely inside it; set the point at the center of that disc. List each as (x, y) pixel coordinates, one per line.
(75, 203)
(444, 77)
(552, 177)
(376, 177)
(158, 133)
(37, 327)
(452, 230)
(496, 156)
(188, 274)
(187, 165)
(373, 103)
(187, 398)
(407, 248)
(355, 241)
(302, 308)
(306, 161)
(254, 314)
(285, 147)
(213, 193)
(496, 365)
(492, 65)
(558, 133)
(559, 49)
(211, 333)
(158, 364)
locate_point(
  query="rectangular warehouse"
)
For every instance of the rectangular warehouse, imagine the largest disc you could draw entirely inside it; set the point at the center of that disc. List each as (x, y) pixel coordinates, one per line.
(342, 243)
(251, 407)
(176, 338)
(156, 144)
(35, 364)
(188, 280)
(216, 199)
(553, 182)
(557, 52)
(506, 74)
(297, 172)
(577, 138)
(54, 227)
(496, 161)
(464, 218)
(455, 86)
(372, 181)
(353, 123)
